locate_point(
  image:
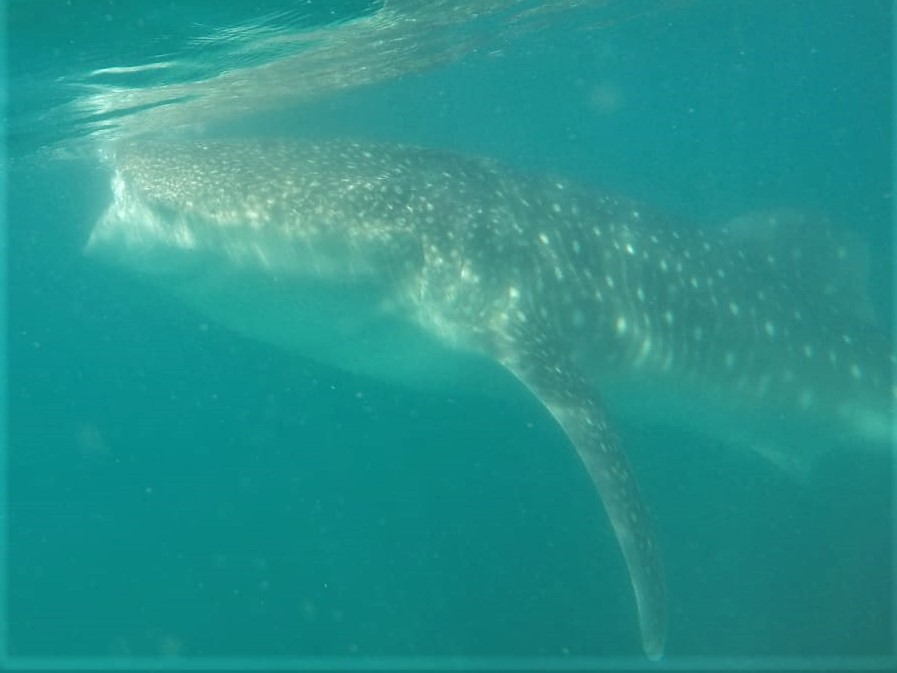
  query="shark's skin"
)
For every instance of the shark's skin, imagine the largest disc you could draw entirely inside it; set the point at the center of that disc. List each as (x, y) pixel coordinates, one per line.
(394, 260)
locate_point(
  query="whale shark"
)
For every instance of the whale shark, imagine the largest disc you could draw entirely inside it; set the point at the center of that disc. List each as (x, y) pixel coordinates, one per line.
(429, 268)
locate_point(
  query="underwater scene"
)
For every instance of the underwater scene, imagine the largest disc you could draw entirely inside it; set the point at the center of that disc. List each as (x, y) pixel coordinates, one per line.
(448, 335)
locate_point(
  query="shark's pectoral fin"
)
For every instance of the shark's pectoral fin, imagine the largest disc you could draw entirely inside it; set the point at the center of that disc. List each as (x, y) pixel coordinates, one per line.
(578, 410)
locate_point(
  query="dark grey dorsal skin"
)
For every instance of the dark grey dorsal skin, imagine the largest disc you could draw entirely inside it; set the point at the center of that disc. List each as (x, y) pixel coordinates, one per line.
(389, 260)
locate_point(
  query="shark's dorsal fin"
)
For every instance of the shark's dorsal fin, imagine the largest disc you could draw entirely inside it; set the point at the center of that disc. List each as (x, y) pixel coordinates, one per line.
(812, 254)
(578, 410)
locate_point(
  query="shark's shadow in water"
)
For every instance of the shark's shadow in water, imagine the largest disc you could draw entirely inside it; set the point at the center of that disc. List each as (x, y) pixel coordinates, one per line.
(426, 267)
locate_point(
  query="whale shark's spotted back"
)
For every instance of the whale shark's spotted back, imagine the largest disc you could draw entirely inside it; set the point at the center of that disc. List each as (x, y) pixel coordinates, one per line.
(412, 255)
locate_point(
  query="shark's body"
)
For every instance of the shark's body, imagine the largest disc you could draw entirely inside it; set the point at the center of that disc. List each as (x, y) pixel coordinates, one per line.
(420, 266)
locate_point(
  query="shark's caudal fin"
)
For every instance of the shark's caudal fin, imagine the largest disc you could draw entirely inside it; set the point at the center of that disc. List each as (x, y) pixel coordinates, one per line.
(579, 412)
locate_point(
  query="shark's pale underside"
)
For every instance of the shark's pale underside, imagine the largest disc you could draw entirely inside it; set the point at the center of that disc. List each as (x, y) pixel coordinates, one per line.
(423, 266)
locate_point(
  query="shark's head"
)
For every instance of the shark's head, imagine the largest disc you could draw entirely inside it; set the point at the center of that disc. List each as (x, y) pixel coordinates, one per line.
(298, 209)
(143, 234)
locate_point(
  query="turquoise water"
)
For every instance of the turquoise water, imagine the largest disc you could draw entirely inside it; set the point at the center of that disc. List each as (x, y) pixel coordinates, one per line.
(176, 491)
